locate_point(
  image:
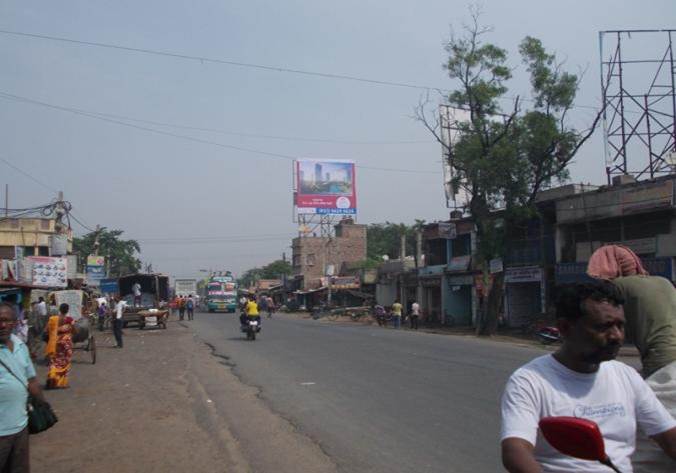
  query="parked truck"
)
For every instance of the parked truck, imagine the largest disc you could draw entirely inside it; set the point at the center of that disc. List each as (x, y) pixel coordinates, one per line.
(154, 295)
(185, 287)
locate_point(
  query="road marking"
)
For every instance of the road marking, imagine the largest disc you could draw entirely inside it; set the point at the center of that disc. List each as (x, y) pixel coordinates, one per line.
(309, 383)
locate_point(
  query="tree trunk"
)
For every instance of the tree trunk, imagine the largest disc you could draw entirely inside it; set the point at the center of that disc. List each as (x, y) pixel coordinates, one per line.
(489, 324)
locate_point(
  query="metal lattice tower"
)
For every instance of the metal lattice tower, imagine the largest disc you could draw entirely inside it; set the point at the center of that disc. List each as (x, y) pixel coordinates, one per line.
(639, 116)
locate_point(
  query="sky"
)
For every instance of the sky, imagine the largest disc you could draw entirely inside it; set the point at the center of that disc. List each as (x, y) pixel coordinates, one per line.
(203, 199)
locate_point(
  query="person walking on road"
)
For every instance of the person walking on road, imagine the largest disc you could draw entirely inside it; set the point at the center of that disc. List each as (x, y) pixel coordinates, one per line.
(271, 307)
(17, 380)
(118, 322)
(650, 310)
(397, 309)
(181, 308)
(59, 349)
(415, 315)
(190, 307)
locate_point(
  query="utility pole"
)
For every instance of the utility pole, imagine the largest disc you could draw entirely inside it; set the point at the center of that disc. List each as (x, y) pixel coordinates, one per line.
(6, 200)
(96, 240)
(60, 211)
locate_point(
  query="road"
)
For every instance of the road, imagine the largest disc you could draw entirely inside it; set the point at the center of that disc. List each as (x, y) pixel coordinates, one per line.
(373, 399)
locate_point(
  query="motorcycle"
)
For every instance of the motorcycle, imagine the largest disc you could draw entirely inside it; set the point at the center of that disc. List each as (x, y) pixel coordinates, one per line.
(548, 335)
(576, 437)
(251, 328)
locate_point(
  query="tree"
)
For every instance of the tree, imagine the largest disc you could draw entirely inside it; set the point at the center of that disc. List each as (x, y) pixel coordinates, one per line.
(275, 270)
(121, 254)
(503, 158)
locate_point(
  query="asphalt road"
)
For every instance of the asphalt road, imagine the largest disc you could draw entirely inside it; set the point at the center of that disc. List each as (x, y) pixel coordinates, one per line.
(374, 399)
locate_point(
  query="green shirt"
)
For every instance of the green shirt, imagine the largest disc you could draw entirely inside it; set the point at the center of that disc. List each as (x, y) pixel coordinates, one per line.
(650, 310)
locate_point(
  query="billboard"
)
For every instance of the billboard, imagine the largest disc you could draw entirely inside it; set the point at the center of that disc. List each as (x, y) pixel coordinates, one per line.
(49, 271)
(325, 187)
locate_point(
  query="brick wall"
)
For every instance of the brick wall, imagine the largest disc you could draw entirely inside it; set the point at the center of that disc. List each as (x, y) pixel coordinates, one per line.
(311, 254)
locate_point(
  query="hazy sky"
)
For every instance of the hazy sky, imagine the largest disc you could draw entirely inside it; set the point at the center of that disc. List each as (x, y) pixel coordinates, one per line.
(156, 186)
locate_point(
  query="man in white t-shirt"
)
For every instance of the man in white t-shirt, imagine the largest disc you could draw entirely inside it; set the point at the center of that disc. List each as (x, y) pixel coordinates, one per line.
(136, 289)
(582, 380)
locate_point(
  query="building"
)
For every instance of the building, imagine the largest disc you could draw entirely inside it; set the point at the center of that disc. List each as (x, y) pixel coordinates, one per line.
(33, 237)
(313, 257)
(639, 215)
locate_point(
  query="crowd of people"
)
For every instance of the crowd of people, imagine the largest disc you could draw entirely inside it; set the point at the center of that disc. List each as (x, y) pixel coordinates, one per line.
(395, 314)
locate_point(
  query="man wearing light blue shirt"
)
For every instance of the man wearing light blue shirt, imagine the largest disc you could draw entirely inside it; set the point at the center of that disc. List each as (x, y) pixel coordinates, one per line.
(14, 389)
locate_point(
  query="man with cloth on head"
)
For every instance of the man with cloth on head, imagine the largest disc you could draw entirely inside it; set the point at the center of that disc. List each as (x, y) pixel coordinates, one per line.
(650, 310)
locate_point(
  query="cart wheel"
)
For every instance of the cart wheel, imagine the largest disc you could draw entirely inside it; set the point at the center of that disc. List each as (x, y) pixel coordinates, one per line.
(141, 326)
(92, 349)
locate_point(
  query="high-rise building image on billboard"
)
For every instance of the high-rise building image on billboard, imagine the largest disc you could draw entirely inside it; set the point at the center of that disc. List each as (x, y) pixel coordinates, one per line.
(325, 187)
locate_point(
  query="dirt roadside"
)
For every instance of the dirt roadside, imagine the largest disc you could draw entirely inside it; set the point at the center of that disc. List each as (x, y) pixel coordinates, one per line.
(165, 403)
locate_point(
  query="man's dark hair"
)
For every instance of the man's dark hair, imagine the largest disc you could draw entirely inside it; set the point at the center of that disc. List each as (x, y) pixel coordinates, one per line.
(8, 306)
(64, 308)
(41, 299)
(569, 303)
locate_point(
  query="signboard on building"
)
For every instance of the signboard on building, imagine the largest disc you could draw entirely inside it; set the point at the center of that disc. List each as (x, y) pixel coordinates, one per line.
(95, 270)
(459, 263)
(447, 230)
(569, 273)
(325, 187)
(48, 271)
(109, 286)
(524, 274)
(495, 265)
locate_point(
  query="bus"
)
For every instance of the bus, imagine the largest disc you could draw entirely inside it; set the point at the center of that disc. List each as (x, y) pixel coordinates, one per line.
(221, 294)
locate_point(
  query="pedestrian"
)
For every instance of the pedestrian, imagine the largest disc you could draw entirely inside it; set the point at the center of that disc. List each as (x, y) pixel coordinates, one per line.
(263, 303)
(181, 308)
(583, 380)
(41, 308)
(650, 311)
(271, 307)
(17, 380)
(379, 312)
(397, 309)
(118, 322)
(415, 315)
(190, 307)
(101, 313)
(59, 349)
(136, 289)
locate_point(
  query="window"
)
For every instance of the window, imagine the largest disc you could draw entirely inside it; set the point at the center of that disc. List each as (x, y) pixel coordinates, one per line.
(296, 260)
(44, 224)
(310, 259)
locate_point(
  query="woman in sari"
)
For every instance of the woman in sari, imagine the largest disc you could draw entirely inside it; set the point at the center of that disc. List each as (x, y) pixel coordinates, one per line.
(59, 350)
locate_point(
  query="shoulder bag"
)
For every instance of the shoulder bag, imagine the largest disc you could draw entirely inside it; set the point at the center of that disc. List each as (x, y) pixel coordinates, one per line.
(40, 414)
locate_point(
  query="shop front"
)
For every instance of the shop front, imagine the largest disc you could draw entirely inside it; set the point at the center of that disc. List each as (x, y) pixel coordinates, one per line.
(459, 304)
(524, 295)
(570, 273)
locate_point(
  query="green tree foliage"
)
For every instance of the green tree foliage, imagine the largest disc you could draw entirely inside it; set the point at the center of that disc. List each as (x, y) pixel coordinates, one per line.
(121, 254)
(385, 239)
(504, 157)
(274, 270)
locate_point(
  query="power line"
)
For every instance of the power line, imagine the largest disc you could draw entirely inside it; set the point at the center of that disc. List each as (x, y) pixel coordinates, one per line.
(25, 174)
(204, 59)
(18, 98)
(86, 227)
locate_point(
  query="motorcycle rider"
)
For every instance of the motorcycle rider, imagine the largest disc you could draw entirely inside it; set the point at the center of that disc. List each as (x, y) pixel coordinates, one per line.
(250, 312)
(582, 380)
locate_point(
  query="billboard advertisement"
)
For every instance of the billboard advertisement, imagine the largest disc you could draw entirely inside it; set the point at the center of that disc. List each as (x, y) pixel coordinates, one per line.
(49, 271)
(325, 187)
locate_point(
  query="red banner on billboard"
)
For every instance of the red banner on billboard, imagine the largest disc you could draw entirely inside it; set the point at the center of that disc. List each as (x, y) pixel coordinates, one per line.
(325, 187)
